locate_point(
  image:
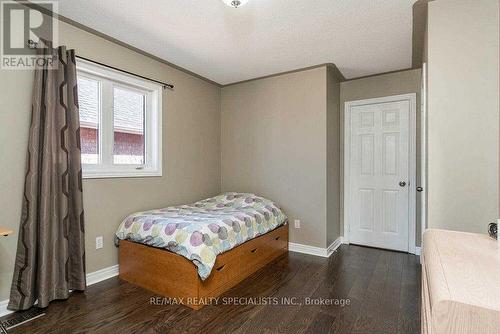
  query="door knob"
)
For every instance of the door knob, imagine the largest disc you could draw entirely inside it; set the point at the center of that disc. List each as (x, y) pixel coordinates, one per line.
(402, 184)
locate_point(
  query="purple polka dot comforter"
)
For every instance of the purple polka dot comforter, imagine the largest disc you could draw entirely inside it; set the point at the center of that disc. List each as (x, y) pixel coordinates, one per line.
(202, 230)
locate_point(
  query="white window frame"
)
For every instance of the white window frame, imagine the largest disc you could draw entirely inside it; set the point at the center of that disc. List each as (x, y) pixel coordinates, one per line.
(110, 78)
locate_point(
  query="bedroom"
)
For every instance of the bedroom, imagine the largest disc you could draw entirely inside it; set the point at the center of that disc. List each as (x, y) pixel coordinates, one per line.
(258, 106)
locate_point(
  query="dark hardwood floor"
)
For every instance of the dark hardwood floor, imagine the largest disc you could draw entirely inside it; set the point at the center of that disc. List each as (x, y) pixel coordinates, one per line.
(383, 289)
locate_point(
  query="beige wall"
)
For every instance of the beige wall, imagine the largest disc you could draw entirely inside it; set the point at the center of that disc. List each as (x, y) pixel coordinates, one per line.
(191, 151)
(463, 121)
(274, 144)
(333, 158)
(285, 142)
(403, 82)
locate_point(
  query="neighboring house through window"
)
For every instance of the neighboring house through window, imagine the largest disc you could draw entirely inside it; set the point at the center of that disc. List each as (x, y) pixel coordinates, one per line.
(120, 123)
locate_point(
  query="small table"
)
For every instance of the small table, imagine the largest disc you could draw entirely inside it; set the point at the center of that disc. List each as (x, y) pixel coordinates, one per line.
(5, 231)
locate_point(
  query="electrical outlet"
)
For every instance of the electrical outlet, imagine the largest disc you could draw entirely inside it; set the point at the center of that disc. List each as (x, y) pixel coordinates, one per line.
(98, 243)
(297, 223)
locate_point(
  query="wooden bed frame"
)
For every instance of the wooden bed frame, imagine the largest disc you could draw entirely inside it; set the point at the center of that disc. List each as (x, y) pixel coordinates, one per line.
(174, 276)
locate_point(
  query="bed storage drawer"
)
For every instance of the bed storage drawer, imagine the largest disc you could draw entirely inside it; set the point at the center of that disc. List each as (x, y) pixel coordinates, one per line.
(226, 270)
(254, 254)
(258, 252)
(277, 240)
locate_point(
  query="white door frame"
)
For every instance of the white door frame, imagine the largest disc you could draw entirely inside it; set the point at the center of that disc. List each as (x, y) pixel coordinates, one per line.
(412, 184)
(423, 152)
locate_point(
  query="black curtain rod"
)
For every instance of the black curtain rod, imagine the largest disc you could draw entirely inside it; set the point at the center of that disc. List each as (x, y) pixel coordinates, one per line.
(164, 84)
(32, 44)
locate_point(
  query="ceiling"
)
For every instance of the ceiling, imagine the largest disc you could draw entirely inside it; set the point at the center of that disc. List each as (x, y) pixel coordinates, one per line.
(227, 45)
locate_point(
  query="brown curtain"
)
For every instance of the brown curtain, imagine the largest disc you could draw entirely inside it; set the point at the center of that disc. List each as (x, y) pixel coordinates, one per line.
(50, 257)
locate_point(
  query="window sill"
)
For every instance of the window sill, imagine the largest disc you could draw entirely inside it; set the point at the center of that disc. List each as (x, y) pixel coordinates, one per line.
(120, 174)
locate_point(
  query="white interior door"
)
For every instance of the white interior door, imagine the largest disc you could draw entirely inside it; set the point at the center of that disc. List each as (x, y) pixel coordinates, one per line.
(379, 144)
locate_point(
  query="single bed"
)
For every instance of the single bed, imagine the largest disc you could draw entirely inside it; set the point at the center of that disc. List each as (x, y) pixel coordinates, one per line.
(198, 251)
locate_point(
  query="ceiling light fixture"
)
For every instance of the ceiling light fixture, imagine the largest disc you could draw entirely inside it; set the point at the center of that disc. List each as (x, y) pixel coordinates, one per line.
(235, 3)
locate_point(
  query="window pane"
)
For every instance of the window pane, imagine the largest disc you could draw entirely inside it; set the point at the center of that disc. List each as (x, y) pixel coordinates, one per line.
(128, 120)
(88, 100)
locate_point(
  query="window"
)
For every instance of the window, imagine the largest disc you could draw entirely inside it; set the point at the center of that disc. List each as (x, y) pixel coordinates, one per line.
(120, 123)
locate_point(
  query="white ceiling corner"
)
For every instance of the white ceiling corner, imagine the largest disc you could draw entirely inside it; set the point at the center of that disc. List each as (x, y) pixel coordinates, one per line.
(226, 45)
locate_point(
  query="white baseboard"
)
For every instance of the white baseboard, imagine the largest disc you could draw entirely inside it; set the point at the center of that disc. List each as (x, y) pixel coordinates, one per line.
(101, 275)
(3, 308)
(305, 249)
(92, 278)
(333, 247)
(316, 251)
